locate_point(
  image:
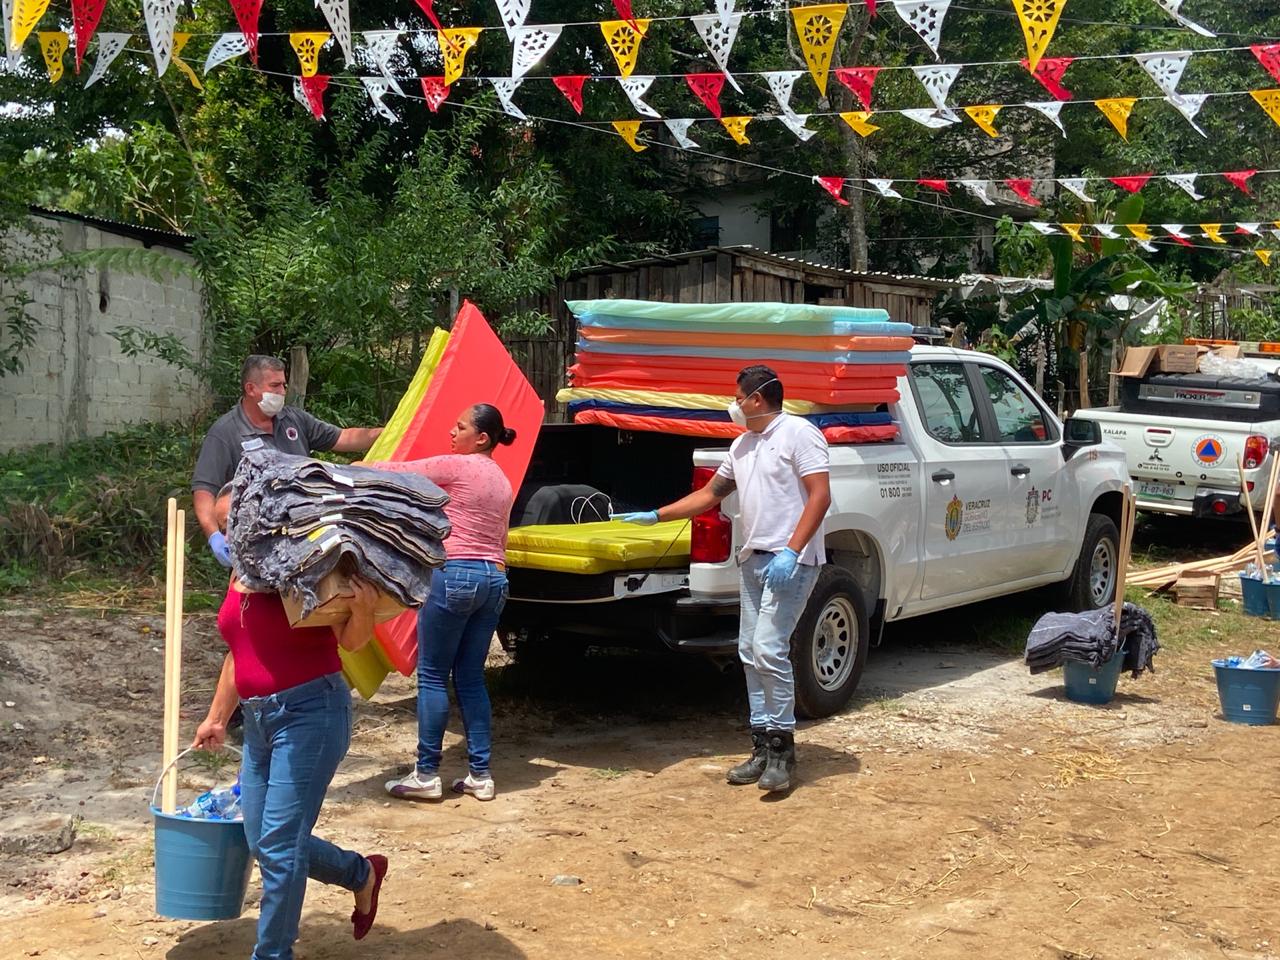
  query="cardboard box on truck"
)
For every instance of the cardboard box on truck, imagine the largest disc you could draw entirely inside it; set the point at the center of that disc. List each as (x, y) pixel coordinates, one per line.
(1165, 358)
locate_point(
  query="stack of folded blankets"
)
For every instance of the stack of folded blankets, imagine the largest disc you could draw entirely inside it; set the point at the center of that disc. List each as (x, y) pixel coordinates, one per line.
(1091, 637)
(672, 367)
(295, 520)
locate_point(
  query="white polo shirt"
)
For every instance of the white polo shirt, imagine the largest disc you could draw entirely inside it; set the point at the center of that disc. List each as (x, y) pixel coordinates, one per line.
(767, 468)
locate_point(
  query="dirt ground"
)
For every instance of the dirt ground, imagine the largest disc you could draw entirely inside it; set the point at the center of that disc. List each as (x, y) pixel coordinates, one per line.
(959, 804)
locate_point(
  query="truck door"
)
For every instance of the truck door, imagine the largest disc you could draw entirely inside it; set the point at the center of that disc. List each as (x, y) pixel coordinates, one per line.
(1043, 514)
(966, 484)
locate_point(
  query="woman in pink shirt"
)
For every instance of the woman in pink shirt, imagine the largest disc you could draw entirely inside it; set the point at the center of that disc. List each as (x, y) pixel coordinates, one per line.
(456, 624)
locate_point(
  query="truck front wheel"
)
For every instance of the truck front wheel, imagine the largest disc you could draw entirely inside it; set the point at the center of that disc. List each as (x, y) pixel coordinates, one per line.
(1092, 585)
(829, 645)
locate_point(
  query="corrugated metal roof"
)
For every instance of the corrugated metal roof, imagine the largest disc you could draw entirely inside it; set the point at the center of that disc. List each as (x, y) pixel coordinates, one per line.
(148, 235)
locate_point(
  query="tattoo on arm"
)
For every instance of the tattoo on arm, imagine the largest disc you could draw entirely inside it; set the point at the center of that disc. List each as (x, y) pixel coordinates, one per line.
(722, 486)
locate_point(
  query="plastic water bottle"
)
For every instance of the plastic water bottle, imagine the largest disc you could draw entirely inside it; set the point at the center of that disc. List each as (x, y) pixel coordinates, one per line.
(220, 804)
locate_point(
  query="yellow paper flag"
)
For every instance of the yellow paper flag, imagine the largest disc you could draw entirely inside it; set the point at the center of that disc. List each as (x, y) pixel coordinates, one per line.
(984, 116)
(817, 28)
(53, 46)
(1139, 230)
(1264, 256)
(1074, 230)
(627, 129)
(1117, 110)
(1213, 231)
(860, 121)
(1039, 18)
(26, 14)
(180, 41)
(1268, 100)
(624, 42)
(307, 46)
(454, 44)
(737, 127)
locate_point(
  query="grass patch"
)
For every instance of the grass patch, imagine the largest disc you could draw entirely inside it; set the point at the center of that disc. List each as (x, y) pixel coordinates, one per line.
(611, 773)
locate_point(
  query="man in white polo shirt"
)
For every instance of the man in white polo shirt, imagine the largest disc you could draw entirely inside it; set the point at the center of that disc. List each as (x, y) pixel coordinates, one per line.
(781, 471)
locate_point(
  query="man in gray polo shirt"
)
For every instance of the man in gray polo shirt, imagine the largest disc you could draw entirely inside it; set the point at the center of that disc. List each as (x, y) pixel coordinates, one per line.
(261, 419)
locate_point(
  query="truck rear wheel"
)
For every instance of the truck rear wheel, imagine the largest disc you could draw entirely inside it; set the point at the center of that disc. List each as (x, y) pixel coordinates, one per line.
(830, 643)
(1092, 584)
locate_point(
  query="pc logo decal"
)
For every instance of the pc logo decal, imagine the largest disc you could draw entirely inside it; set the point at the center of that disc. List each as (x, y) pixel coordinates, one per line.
(1208, 450)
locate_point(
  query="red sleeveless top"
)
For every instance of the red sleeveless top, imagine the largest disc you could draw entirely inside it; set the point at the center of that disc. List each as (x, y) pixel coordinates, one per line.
(270, 655)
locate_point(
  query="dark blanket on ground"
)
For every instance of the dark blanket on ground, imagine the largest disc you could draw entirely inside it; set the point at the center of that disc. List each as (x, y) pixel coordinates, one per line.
(1091, 638)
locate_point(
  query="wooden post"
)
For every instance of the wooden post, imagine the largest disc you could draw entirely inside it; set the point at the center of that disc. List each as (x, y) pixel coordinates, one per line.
(1083, 401)
(1253, 523)
(1128, 511)
(175, 570)
(299, 376)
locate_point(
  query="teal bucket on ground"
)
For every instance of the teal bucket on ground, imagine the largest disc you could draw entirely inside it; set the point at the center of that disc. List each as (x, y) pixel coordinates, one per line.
(1273, 599)
(202, 866)
(1247, 696)
(1254, 593)
(1088, 684)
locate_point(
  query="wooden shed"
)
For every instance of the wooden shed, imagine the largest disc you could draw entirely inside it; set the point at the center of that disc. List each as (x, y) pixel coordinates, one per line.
(714, 275)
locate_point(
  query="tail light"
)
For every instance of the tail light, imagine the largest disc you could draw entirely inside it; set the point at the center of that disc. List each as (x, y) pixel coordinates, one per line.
(711, 540)
(1255, 451)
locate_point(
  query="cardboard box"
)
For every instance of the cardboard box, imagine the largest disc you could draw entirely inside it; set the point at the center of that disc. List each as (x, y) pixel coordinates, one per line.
(1165, 358)
(1229, 351)
(335, 593)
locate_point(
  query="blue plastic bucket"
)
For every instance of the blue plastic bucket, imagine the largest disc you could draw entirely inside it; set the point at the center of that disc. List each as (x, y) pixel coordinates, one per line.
(1088, 684)
(1247, 696)
(1273, 599)
(1254, 593)
(202, 866)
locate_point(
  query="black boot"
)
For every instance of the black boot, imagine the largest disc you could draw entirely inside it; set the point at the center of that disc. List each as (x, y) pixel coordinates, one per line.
(781, 761)
(750, 769)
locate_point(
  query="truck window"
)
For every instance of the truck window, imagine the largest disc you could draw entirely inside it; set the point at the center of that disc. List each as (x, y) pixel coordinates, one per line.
(946, 402)
(1019, 418)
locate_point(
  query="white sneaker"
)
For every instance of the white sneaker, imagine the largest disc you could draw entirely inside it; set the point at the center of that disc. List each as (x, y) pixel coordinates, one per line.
(480, 789)
(416, 787)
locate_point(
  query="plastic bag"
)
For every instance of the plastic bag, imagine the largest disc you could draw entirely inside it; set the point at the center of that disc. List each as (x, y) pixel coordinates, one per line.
(1213, 365)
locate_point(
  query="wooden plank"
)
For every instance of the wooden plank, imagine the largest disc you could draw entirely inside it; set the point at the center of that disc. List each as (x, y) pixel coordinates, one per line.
(724, 278)
(758, 292)
(690, 281)
(593, 286)
(709, 280)
(772, 288)
(747, 286)
(735, 288)
(655, 284)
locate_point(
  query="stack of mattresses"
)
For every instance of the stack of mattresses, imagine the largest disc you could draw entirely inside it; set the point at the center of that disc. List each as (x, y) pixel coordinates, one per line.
(671, 367)
(598, 547)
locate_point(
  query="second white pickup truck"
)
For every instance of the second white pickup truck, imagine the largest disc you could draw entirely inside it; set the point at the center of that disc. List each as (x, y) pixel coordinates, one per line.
(985, 493)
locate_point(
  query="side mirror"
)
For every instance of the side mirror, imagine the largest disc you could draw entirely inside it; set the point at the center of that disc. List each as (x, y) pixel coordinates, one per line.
(1078, 432)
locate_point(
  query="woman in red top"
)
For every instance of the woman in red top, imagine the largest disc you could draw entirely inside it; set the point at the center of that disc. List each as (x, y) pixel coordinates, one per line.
(297, 728)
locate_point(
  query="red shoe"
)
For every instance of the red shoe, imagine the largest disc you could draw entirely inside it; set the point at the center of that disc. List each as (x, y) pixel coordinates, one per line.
(363, 922)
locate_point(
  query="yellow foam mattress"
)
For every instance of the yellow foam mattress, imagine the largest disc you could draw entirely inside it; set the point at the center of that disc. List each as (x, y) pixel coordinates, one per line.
(598, 547)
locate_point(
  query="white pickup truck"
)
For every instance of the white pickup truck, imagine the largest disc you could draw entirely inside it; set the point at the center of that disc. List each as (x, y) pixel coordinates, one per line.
(1183, 434)
(985, 493)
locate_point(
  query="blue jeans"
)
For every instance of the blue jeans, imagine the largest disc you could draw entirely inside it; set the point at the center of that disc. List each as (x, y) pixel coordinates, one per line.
(293, 743)
(765, 624)
(455, 629)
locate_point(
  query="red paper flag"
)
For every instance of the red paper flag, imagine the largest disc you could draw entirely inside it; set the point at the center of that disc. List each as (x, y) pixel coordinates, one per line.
(1023, 189)
(624, 11)
(247, 13)
(1240, 179)
(860, 80)
(85, 14)
(1269, 56)
(436, 92)
(1049, 72)
(429, 8)
(313, 88)
(571, 87)
(1133, 184)
(1181, 240)
(938, 185)
(871, 7)
(707, 86)
(833, 186)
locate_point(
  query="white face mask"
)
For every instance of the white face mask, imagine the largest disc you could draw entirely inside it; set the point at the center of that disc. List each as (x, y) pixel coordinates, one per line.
(271, 403)
(735, 408)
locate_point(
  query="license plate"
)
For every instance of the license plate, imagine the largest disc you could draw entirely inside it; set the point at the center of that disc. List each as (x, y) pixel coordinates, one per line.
(1158, 491)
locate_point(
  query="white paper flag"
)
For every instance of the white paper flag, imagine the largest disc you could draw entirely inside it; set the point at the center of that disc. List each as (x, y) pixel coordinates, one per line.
(1076, 186)
(781, 83)
(1189, 104)
(1051, 109)
(795, 122)
(1107, 230)
(226, 47)
(1174, 230)
(505, 87)
(719, 33)
(1171, 7)
(933, 119)
(1249, 228)
(12, 57)
(680, 130)
(530, 44)
(925, 18)
(338, 15)
(382, 47)
(1187, 181)
(1046, 229)
(937, 82)
(110, 46)
(161, 17)
(635, 88)
(980, 189)
(1165, 68)
(300, 95)
(513, 13)
(725, 8)
(377, 88)
(886, 188)
(1149, 247)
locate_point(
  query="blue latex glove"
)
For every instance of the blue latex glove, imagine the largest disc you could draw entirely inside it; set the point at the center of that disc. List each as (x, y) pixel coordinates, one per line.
(646, 518)
(781, 568)
(218, 545)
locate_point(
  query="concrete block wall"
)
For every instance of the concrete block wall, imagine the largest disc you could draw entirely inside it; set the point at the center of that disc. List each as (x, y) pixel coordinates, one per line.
(77, 382)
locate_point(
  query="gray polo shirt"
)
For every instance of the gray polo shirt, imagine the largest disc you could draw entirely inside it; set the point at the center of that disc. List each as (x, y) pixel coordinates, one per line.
(296, 431)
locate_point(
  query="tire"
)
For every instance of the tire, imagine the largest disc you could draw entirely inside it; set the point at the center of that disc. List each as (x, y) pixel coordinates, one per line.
(1092, 584)
(829, 645)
